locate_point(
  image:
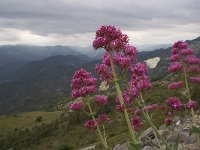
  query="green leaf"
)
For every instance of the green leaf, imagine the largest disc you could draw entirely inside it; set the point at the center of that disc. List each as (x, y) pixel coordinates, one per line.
(177, 141)
(194, 129)
(134, 146)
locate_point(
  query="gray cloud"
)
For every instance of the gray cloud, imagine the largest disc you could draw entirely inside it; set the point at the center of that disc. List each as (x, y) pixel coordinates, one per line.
(67, 17)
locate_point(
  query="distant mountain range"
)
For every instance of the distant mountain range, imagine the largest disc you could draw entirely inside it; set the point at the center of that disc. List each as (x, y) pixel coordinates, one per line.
(33, 76)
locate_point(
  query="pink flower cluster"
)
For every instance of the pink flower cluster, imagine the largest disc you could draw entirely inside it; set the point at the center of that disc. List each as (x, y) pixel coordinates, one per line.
(106, 59)
(128, 96)
(194, 80)
(120, 107)
(168, 121)
(122, 60)
(117, 47)
(92, 125)
(193, 69)
(101, 99)
(176, 67)
(103, 118)
(183, 59)
(83, 83)
(192, 60)
(126, 57)
(104, 71)
(77, 105)
(174, 57)
(180, 45)
(191, 104)
(136, 123)
(139, 69)
(110, 38)
(148, 108)
(174, 103)
(175, 85)
(139, 80)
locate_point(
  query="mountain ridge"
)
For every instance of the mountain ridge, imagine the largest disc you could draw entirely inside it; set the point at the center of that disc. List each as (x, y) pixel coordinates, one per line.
(39, 83)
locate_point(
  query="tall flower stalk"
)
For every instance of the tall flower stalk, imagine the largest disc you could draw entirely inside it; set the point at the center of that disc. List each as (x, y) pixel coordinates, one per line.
(102, 137)
(118, 53)
(121, 100)
(83, 84)
(140, 82)
(186, 63)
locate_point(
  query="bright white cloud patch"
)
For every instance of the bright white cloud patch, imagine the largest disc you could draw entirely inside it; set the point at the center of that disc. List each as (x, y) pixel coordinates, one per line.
(65, 22)
(11, 36)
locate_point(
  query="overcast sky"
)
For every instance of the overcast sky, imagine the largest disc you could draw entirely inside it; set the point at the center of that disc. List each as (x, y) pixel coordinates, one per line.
(74, 22)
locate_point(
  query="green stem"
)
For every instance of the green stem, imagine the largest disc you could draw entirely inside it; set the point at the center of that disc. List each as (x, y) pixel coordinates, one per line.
(189, 96)
(154, 128)
(147, 118)
(121, 100)
(142, 99)
(103, 140)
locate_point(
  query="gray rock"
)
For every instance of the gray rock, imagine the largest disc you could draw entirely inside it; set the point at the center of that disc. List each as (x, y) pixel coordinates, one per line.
(177, 119)
(121, 147)
(150, 148)
(185, 136)
(171, 139)
(191, 147)
(193, 138)
(188, 138)
(146, 135)
(163, 127)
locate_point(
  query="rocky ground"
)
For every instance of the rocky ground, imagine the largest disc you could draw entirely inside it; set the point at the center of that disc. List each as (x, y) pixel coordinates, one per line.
(187, 140)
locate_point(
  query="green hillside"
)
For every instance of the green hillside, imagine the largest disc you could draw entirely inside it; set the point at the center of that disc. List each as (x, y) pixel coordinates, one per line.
(26, 120)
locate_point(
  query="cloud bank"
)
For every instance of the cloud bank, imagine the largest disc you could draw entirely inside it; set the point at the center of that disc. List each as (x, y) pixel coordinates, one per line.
(73, 22)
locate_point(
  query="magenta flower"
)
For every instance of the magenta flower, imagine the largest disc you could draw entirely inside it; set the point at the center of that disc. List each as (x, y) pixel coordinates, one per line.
(110, 38)
(175, 51)
(191, 104)
(136, 123)
(83, 83)
(139, 80)
(174, 57)
(77, 105)
(193, 69)
(120, 107)
(90, 124)
(138, 69)
(150, 108)
(140, 84)
(175, 67)
(144, 84)
(162, 107)
(106, 59)
(131, 52)
(138, 112)
(122, 60)
(192, 59)
(101, 99)
(104, 72)
(103, 118)
(194, 80)
(175, 85)
(186, 51)
(127, 95)
(168, 121)
(180, 45)
(174, 102)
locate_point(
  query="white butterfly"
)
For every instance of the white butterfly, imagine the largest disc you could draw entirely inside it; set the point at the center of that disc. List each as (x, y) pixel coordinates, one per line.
(152, 63)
